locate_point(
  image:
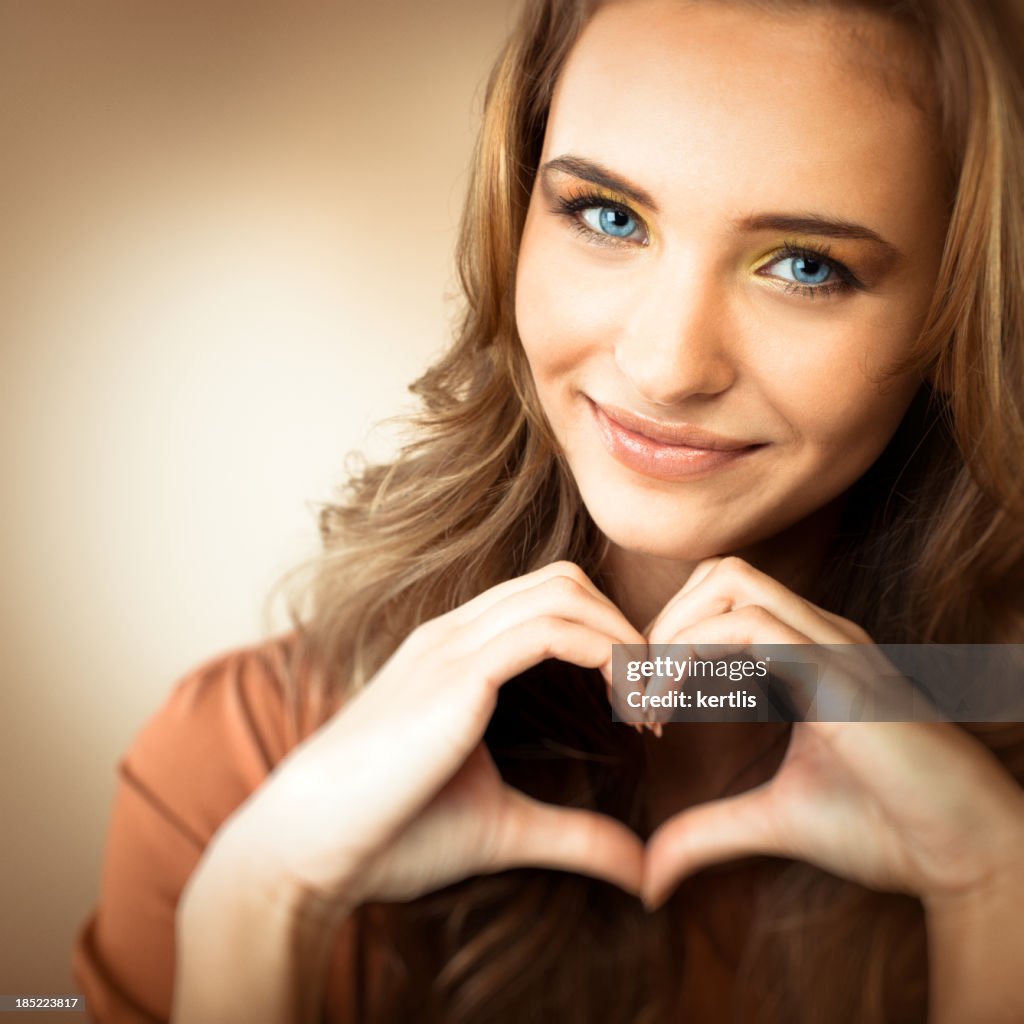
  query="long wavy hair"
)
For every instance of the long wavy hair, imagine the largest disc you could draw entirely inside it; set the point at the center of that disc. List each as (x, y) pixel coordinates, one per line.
(930, 549)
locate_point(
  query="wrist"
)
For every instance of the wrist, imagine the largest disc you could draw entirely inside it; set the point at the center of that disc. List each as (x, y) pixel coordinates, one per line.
(237, 869)
(975, 952)
(995, 877)
(252, 947)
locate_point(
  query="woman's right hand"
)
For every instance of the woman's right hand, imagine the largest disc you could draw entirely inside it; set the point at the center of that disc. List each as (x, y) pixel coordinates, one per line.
(396, 795)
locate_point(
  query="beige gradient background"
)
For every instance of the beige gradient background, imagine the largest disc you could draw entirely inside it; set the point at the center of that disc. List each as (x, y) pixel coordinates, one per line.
(227, 232)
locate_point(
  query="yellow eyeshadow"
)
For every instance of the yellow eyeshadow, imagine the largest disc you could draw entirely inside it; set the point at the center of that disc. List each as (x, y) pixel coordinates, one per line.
(575, 188)
(609, 197)
(795, 243)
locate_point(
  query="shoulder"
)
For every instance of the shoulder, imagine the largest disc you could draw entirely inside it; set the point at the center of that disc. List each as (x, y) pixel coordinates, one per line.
(218, 734)
(222, 728)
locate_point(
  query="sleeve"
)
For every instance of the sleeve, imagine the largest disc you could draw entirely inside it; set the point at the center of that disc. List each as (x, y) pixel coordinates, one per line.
(213, 742)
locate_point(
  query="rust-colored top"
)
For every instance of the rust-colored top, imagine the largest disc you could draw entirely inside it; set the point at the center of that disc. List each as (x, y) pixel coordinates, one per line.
(212, 743)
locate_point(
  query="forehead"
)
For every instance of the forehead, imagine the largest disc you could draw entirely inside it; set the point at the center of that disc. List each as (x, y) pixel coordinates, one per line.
(730, 99)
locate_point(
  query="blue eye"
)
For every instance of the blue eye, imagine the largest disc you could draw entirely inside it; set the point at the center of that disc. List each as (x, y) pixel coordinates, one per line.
(810, 272)
(610, 220)
(601, 220)
(807, 270)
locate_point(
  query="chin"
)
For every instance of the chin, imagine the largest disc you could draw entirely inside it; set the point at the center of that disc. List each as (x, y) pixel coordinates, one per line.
(664, 536)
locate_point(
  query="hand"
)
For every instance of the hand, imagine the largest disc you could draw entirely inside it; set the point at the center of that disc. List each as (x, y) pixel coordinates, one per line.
(915, 807)
(397, 795)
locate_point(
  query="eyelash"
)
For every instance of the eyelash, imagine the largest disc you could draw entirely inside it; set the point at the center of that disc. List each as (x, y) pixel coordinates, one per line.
(572, 205)
(845, 279)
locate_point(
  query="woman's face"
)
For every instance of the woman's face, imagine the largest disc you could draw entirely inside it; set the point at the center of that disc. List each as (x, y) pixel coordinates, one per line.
(735, 231)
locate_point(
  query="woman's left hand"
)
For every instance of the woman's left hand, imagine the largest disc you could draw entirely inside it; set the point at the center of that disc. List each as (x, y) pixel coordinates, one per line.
(915, 807)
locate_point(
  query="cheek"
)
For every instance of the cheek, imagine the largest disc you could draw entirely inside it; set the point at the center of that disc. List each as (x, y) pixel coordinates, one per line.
(840, 397)
(562, 317)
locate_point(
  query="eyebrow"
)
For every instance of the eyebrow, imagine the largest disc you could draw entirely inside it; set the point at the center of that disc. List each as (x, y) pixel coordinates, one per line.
(800, 223)
(811, 224)
(587, 170)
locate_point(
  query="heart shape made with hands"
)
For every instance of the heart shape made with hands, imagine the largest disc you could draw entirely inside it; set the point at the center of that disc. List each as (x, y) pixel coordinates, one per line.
(695, 838)
(917, 807)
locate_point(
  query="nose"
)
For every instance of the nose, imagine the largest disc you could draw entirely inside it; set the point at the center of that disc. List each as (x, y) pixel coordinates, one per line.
(673, 344)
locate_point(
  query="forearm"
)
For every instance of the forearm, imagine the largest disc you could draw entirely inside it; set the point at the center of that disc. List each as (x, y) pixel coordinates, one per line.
(248, 951)
(976, 959)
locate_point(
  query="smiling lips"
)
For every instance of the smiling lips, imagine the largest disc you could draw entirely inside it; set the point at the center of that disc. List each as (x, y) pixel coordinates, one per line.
(668, 451)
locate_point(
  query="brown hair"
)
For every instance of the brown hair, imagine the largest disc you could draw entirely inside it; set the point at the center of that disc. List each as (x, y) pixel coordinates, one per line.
(931, 549)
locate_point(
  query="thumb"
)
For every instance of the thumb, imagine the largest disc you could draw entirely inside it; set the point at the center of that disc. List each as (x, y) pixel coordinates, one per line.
(538, 834)
(710, 833)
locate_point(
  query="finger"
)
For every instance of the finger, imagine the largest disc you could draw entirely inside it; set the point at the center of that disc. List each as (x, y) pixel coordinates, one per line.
(699, 572)
(470, 683)
(822, 684)
(571, 839)
(828, 701)
(557, 595)
(752, 631)
(682, 674)
(561, 589)
(619, 696)
(561, 597)
(733, 583)
(482, 602)
(537, 639)
(711, 833)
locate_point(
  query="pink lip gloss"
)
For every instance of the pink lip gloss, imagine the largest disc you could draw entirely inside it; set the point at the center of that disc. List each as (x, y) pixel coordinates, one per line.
(660, 459)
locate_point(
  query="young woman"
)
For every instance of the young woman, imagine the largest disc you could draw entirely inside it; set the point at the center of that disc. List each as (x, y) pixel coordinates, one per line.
(742, 362)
